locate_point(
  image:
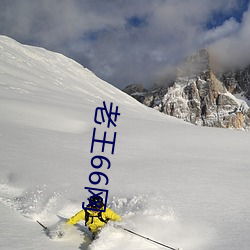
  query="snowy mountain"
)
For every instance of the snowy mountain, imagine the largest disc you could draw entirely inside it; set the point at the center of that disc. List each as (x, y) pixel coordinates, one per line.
(201, 96)
(183, 185)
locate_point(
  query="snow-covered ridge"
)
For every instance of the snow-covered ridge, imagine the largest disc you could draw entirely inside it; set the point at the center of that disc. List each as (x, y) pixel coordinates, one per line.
(33, 74)
(34, 66)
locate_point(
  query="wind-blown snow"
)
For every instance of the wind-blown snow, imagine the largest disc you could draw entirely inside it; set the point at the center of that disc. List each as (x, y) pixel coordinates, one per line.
(176, 183)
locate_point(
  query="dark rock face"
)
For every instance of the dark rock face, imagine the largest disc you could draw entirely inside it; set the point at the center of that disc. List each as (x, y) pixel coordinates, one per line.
(237, 81)
(201, 97)
(137, 91)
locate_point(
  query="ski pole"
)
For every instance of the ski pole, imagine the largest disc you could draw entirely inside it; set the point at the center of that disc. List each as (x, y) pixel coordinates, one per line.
(149, 239)
(45, 228)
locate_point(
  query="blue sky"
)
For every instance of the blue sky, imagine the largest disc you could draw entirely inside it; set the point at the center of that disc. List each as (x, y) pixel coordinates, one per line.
(131, 41)
(218, 17)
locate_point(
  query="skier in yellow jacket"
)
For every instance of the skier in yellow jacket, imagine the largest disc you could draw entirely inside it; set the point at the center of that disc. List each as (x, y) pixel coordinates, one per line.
(95, 220)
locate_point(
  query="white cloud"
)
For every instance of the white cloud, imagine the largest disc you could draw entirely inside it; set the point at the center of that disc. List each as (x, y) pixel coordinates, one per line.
(97, 33)
(228, 28)
(233, 50)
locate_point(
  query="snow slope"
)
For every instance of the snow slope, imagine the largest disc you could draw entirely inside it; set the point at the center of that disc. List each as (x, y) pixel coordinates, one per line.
(176, 183)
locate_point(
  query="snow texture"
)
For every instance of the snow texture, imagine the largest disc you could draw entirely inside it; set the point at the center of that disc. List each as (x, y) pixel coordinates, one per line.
(176, 183)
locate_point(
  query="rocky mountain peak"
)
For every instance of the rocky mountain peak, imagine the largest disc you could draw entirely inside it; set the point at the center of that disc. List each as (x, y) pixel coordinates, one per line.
(200, 96)
(196, 64)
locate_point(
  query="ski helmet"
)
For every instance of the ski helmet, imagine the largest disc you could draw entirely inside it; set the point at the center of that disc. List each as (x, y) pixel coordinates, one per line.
(96, 201)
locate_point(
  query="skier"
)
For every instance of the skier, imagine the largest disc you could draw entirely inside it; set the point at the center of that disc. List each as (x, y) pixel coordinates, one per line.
(95, 220)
